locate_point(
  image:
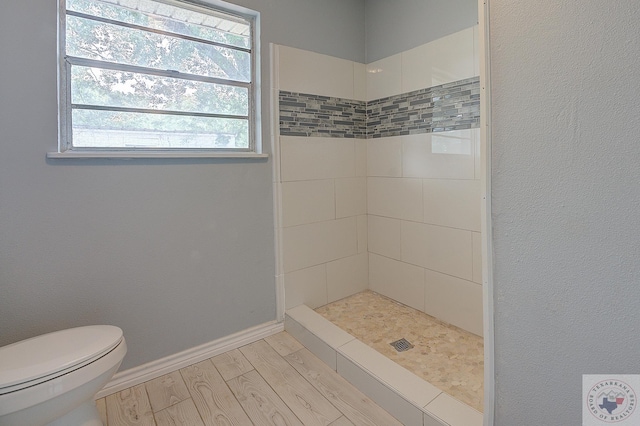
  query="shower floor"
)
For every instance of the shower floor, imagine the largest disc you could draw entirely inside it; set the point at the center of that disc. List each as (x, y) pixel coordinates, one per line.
(445, 356)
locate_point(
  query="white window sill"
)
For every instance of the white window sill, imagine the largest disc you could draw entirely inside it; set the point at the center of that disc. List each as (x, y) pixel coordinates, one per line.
(153, 154)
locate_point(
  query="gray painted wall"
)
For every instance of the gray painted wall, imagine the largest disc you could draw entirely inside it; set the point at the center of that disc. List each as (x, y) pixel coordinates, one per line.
(565, 201)
(176, 252)
(395, 26)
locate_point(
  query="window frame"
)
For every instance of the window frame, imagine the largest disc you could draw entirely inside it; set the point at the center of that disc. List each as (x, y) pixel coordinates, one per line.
(65, 63)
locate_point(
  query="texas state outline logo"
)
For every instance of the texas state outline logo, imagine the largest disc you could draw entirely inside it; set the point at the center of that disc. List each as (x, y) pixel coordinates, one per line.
(610, 399)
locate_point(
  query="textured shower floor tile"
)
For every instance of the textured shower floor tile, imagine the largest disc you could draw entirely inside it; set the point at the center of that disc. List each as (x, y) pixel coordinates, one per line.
(447, 357)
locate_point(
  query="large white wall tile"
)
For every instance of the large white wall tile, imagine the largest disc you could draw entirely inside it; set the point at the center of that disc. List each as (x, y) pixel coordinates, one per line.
(363, 233)
(316, 243)
(442, 249)
(361, 157)
(475, 138)
(446, 155)
(351, 196)
(306, 286)
(307, 158)
(309, 72)
(398, 280)
(347, 276)
(441, 61)
(384, 77)
(384, 236)
(476, 50)
(399, 198)
(307, 201)
(452, 202)
(453, 300)
(359, 81)
(384, 156)
(477, 257)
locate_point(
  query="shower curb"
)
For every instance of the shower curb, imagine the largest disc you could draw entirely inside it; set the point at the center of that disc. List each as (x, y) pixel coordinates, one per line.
(409, 398)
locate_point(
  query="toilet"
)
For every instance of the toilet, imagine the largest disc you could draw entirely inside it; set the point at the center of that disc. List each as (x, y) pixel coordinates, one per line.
(52, 379)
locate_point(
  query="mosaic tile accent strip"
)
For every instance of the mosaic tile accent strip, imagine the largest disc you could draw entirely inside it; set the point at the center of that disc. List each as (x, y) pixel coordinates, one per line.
(302, 114)
(451, 106)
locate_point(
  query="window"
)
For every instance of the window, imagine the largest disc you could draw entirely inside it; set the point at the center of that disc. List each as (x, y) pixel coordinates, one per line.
(156, 75)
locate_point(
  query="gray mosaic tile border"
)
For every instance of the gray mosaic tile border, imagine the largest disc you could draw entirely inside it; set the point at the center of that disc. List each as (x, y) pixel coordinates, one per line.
(303, 114)
(451, 106)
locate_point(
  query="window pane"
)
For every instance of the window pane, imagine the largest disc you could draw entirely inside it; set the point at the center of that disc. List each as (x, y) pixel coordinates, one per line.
(213, 27)
(110, 129)
(95, 86)
(112, 43)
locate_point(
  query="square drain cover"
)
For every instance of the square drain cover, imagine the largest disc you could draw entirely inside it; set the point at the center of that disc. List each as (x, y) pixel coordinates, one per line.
(401, 345)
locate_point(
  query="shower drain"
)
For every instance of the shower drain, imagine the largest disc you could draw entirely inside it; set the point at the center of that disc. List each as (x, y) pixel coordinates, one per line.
(401, 345)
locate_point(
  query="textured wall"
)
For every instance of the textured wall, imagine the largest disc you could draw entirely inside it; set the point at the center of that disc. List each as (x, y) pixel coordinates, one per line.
(395, 26)
(565, 201)
(176, 252)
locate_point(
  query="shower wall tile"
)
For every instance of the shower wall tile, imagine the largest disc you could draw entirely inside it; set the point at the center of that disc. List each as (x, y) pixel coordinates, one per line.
(477, 257)
(350, 196)
(363, 237)
(441, 61)
(316, 243)
(384, 77)
(475, 137)
(347, 276)
(451, 106)
(439, 155)
(359, 81)
(361, 157)
(454, 300)
(398, 280)
(304, 114)
(453, 203)
(384, 236)
(476, 50)
(307, 158)
(307, 202)
(306, 286)
(446, 250)
(384, 156)
(309, 72)
(394, 197)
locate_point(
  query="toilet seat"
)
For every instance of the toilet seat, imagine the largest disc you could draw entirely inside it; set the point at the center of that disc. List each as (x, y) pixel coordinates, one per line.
(36, 360)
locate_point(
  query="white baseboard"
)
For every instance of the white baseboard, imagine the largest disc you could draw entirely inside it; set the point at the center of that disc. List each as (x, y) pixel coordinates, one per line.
(151, 370)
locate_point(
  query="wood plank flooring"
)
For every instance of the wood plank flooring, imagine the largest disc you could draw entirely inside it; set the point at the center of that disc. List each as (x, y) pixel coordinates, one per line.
(274, 381)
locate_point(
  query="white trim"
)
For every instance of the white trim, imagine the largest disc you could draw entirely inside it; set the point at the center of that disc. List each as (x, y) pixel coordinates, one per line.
(277, 184)
(151, 370)
(153, 154)
(487, 230)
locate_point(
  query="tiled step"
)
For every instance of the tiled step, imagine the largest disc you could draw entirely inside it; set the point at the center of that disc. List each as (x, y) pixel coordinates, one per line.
(406, 396)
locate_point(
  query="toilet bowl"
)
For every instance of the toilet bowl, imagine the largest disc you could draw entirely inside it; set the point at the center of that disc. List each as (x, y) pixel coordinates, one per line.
(52, 379)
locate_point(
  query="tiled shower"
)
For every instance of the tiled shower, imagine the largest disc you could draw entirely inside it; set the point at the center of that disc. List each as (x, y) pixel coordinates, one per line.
(378, 175)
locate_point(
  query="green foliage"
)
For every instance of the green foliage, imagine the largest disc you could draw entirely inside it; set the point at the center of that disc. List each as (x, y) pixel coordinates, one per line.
(106, 42)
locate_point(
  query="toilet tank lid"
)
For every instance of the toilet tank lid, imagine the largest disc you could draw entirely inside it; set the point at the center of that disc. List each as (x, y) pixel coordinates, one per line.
(49, 353)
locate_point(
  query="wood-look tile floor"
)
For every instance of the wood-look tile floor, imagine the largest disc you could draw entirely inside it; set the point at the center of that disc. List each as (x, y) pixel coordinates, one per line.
(446, 356)
(274, 381)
